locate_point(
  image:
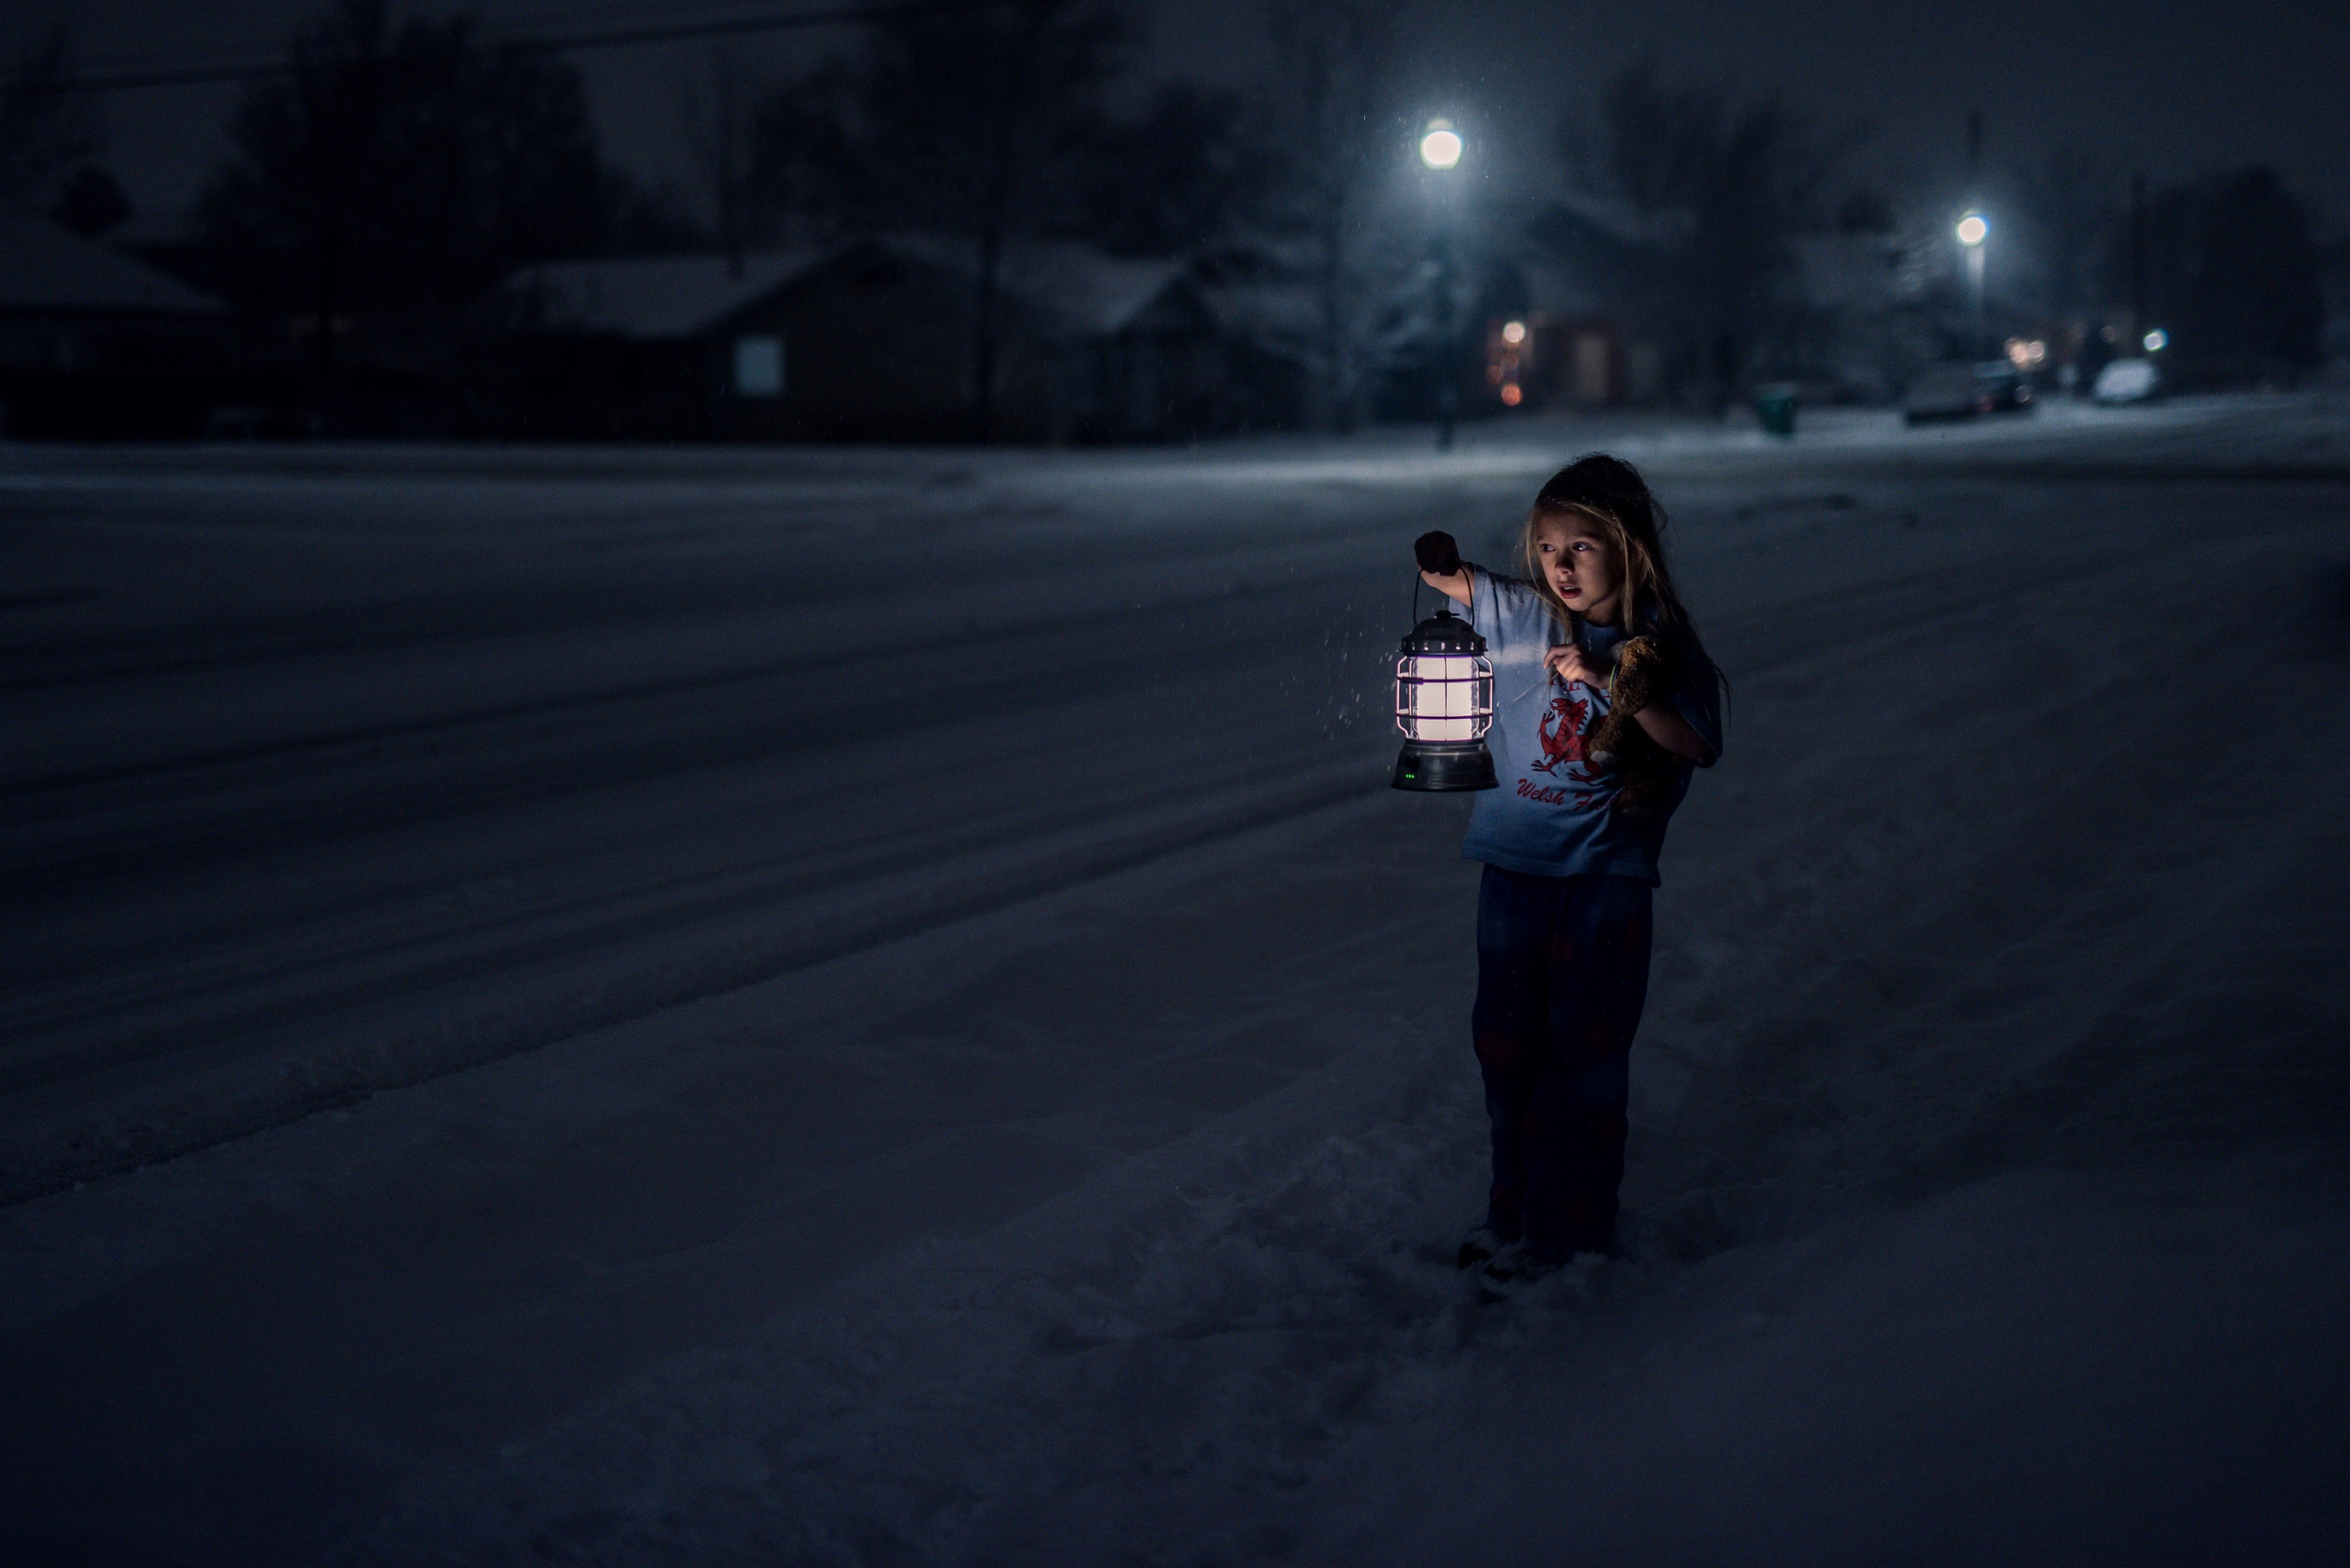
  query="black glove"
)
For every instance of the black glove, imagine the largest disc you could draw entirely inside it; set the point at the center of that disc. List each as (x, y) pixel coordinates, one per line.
(1438, 553)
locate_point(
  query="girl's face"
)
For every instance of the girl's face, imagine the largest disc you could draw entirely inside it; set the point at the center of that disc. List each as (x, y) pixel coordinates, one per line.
(1582, 565)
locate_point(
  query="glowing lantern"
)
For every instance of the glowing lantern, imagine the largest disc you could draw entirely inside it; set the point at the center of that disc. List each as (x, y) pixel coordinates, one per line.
(1444, 705)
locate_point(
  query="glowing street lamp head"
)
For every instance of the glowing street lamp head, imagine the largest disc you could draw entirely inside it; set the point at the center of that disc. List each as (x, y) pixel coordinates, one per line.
(1973, 228)
(1441, 145)
(2156, 340)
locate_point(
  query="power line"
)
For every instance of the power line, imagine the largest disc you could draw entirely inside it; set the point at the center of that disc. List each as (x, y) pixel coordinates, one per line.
(615, 37)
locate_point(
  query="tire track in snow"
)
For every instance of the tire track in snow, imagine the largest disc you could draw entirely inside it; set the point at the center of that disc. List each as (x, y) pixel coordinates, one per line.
(68, 1144)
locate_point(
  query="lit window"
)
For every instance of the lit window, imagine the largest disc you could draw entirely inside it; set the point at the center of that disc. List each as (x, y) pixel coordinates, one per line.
(759, 367)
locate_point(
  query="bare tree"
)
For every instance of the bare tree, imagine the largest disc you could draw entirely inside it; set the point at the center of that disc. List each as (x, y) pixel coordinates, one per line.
(975, 122)
(1182, 172)
(801, 145)
(1735, 180)
(1327, 125)
(2068, 205)
(1178, 167)
(715, 108)
(398, 173)
(2235, 274)
(46, 127)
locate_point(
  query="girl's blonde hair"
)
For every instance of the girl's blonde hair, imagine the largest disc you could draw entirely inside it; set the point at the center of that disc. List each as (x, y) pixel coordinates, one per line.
(1609, 494)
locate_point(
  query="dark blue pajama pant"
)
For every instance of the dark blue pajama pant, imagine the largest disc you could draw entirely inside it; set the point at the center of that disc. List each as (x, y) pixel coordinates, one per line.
(1562, 973)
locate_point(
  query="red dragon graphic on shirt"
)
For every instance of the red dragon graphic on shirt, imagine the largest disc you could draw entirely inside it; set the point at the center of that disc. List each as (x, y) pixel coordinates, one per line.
(1562, 732)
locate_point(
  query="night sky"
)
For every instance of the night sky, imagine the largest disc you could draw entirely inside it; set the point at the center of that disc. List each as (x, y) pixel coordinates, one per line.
(2171, 87)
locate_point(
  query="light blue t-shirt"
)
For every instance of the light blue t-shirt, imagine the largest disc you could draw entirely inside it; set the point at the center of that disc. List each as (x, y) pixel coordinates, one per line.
(1554, 815)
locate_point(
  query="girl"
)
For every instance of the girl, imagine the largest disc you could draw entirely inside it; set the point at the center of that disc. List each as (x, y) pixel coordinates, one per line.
(1570, 843)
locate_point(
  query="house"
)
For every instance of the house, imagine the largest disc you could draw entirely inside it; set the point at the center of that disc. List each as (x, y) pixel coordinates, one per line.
(1084, 346)
(872, 339)
(650, 347)
(1571, 346)
(95, 343)
(1580, 339)
(1273, 334)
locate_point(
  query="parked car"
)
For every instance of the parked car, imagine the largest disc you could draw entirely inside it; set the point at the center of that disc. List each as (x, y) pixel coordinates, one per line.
(1963, 391)
(2009, 391)
(2128, 381)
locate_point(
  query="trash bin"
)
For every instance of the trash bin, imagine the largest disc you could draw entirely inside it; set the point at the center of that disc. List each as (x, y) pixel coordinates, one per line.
(1776, 405)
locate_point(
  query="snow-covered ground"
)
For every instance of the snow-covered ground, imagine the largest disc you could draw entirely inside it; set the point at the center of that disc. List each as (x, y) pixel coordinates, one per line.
(874, 1007)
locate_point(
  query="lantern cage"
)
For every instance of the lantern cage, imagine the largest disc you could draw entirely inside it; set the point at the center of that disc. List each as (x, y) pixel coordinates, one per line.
(1444, 705)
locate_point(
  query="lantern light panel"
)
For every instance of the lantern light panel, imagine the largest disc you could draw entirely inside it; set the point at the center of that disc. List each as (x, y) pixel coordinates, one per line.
(1444, 696)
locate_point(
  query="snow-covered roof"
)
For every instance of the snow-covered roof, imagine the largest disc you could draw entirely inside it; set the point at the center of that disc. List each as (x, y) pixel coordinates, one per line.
(1094, 293)
(1283, 316)
(1557, 286)
(1078, 289)
(45, 267)
(1620, 222)
(1075, 288)
(1256, 289)
(652, 296)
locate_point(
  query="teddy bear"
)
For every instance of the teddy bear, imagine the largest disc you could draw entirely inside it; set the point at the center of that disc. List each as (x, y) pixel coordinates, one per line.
(1644, 770)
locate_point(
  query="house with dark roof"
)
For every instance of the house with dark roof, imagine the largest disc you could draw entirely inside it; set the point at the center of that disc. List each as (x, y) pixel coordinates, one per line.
(95, 343)
(874, 338)
(654, 347)
(1576, 338)
(1272, 330)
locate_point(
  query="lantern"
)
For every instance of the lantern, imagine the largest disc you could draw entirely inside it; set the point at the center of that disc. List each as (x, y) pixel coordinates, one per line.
(1444, 705)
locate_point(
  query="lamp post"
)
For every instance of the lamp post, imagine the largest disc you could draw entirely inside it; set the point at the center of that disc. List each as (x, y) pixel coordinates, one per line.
(1441, 150)
(1973, 230)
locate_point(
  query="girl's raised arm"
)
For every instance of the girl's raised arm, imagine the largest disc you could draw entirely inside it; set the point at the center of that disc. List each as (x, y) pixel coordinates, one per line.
(1441, 566)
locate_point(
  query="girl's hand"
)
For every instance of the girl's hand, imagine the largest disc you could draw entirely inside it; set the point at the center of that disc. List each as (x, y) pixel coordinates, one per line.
(1568, 662)
(1438, 553)
(1441, 566)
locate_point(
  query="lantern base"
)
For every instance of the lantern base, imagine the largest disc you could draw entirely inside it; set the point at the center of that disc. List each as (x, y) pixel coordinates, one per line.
(1436, 766)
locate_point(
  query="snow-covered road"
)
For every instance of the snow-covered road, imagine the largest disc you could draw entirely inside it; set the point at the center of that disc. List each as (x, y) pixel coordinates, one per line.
(874, 1007)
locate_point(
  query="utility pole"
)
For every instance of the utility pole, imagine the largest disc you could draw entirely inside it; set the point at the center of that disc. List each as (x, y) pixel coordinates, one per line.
(1447, 391)
(1975, 256)
(2137, 259)
(1973, 232)
(1441, 150)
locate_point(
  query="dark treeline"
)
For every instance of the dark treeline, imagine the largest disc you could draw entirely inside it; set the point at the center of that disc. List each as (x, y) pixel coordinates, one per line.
(395, 173)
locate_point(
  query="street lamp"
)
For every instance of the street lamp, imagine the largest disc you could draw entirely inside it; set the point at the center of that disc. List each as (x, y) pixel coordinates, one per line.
(1441, 150)
(1972, 230)
(1441, 145)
